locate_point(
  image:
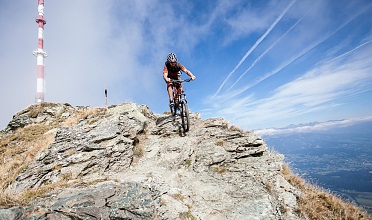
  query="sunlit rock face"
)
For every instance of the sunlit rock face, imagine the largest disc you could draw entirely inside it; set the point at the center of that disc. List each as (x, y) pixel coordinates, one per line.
(126, 162)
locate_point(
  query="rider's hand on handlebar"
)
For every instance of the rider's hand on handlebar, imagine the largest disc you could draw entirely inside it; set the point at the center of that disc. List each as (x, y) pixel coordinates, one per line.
(193, 77)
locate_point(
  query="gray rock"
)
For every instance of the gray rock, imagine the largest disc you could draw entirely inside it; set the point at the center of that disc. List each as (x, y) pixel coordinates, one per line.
(134, 164)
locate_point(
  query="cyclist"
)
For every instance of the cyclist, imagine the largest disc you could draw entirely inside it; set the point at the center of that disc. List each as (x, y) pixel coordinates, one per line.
(172, 70)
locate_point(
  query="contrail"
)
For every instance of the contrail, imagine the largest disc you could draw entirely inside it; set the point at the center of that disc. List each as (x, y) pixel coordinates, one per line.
(350, 51)
(255, 45)
(264, 53)
(307, 49)
(267, 75)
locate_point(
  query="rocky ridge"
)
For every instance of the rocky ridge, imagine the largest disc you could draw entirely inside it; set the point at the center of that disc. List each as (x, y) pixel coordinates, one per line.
(126, 162)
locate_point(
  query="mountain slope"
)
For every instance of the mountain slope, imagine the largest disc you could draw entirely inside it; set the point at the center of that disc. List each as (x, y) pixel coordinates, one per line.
(126, 162)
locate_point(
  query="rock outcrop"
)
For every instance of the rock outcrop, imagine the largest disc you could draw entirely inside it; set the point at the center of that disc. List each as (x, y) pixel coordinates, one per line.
(128, 163)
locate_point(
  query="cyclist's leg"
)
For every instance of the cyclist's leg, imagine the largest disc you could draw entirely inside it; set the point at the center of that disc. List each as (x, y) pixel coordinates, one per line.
(170, 91)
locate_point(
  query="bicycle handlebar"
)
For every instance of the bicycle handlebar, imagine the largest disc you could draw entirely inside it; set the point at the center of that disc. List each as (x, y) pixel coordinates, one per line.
(180, 81)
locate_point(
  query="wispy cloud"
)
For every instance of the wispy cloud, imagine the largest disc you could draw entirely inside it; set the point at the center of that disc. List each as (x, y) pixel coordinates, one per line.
(255, 45)
(264, 53)
(318, 72)
(229, 94)
(319, 89)
(350, 51)
(321, 126)
(123, 44)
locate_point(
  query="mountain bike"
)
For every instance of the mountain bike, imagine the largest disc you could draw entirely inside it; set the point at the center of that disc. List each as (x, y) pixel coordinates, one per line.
(180, 103)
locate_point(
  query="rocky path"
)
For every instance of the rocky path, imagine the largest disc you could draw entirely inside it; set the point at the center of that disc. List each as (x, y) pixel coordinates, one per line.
(197, 177)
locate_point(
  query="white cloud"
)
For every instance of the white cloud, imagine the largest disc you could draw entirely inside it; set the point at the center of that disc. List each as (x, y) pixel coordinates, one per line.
(254, 19)
(250, 22)
(90, 44)
(320, 89)
(322, 126)
(123, 44)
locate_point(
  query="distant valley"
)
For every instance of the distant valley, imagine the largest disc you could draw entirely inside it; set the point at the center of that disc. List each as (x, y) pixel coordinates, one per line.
(335, 155)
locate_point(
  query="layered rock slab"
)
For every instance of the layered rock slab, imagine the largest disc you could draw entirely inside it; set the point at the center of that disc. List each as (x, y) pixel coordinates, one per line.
(213, 172)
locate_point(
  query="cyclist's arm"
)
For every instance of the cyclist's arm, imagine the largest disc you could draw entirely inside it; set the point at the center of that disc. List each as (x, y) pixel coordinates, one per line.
(165, 74)
(188, 72)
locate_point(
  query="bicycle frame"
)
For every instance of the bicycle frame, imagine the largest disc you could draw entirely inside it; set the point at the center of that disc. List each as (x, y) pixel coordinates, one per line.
(178, 92)
(180, 103)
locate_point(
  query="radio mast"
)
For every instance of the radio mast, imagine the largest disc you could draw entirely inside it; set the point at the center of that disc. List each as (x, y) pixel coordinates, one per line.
(40, 53)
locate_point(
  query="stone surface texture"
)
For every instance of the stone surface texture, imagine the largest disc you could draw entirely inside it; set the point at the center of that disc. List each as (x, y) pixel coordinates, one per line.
(127, 162)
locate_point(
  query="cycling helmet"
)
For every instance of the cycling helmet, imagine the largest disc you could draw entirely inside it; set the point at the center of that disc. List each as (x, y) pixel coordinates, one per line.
(172, 57)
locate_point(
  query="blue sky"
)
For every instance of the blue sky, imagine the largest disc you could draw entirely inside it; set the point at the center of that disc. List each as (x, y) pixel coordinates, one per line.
(259, 64)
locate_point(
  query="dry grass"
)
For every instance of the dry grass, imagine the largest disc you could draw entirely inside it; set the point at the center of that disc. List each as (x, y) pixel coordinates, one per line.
(220, 143)
(138, 152)
(220, 169)
(43, 191)
(30, 195)
(235, 128)
(35, 109)
(17, 151)
(138, 149)
(167, 113)
(9, 201)
(83, 114)
(316, 203)
(19, 148)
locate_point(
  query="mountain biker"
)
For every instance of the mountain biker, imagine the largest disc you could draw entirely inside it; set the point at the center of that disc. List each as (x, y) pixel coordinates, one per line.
(172, 70)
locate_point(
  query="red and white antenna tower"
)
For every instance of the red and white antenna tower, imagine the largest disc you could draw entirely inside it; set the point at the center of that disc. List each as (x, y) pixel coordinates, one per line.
(40, 53)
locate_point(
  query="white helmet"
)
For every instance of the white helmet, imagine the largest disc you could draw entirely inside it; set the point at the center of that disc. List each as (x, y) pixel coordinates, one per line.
(172, 57)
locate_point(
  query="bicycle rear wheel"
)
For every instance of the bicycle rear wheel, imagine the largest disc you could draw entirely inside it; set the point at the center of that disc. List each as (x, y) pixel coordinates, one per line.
(185, 116)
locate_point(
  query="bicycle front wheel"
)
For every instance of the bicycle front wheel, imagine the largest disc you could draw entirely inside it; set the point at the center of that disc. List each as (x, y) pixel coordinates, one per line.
(185, 116)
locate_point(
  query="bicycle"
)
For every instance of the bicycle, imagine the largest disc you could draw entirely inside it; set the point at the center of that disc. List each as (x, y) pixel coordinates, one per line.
(180, 103)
